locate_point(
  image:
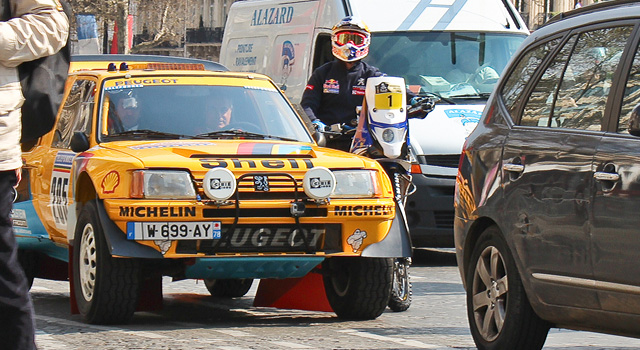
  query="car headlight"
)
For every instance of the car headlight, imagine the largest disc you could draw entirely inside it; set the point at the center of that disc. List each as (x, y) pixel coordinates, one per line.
(355, 183)
(162, 184)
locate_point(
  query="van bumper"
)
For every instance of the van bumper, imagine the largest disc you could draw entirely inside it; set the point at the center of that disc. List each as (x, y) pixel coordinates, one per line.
(430, 211)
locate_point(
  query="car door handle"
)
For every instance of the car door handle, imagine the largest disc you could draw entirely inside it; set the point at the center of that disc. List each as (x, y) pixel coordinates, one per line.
(517, 168)
(603, 176)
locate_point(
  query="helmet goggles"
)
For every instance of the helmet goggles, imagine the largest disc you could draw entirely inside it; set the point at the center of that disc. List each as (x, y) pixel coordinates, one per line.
(355, 38)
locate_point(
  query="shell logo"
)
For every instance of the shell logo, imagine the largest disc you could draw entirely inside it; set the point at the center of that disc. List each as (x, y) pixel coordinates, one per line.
(110, 182)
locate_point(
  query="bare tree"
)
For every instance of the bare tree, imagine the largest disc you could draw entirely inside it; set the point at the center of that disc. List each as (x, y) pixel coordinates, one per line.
(164, 20)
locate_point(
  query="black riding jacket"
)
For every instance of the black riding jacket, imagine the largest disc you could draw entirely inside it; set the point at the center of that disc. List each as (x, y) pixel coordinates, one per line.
(333, 92)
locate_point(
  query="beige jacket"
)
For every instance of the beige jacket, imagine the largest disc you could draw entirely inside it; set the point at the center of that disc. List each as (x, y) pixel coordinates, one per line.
(39, 29)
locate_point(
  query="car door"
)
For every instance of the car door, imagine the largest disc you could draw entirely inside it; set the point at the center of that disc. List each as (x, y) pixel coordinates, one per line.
(51, 186)
(614, 229)
(547, 165)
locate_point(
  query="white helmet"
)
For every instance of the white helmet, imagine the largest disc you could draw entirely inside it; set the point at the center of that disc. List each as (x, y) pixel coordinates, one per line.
(350, 39)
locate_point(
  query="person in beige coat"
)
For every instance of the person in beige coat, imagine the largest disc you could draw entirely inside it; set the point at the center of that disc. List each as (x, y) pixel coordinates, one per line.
(37, 28)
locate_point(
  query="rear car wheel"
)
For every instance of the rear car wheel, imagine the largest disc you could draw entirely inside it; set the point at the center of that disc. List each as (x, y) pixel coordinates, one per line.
(106, 288)
(29, 260)
(358, 288)
(228, 288)
(400, 299)
(500, 316)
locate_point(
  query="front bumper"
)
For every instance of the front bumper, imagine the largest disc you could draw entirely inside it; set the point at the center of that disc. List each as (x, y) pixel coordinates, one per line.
(430, 211)
(343, 227)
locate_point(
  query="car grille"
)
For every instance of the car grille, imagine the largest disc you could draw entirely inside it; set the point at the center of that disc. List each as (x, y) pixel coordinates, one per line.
(274, 187)
(444, 218)
(270, 239)
(443, 160)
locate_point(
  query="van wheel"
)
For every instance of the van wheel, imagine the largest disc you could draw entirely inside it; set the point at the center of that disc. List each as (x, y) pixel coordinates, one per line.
(358, 288)
(400, 299)
(106, 288)
(228, 288)
(500, 316)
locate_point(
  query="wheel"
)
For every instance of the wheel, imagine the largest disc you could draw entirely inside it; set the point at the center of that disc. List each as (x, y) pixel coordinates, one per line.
(400, 299)
(30, 261)
(106, 288)
(358, 288)
(228, 288)
(500, 316)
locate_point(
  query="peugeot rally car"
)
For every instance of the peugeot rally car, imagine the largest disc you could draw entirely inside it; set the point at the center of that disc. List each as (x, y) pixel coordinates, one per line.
(139, 180)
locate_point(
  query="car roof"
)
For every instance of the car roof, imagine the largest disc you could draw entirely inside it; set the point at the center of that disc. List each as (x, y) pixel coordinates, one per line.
(597, 7)
(80, 62)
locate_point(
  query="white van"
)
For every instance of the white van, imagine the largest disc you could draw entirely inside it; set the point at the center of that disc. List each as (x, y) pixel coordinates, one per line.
(424, 41)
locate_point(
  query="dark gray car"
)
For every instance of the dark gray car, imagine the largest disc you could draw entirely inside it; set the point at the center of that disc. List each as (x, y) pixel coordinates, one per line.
(547, 223)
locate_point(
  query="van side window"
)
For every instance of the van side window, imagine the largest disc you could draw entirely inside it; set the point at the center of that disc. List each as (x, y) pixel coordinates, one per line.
(540, 102)
(631, 95)
(322, 53)
(515, 84)
(587, 79)
(573, 90)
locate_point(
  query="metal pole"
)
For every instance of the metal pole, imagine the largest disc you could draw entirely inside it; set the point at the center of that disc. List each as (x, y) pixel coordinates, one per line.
(185, 28)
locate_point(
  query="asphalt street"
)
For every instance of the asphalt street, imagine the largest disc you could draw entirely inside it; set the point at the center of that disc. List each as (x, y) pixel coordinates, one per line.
(191, 319)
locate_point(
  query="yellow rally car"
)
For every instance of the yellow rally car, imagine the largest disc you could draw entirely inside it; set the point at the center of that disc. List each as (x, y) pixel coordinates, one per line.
(140, 179)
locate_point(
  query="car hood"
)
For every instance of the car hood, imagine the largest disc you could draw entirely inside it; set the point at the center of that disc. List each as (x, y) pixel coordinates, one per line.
(445, 129)
(192, 154)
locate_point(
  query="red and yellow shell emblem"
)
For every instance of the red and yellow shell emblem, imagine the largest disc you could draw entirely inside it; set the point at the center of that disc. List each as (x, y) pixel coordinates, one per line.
(110, 182)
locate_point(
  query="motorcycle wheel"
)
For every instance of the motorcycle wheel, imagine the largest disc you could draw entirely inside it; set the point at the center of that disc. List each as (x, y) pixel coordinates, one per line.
(400, 299)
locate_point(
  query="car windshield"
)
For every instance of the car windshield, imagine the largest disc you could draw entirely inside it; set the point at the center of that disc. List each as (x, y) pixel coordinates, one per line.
(453, 65)
(200, 107)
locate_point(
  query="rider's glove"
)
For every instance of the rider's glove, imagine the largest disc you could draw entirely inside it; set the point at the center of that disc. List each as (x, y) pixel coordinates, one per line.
(320, 126)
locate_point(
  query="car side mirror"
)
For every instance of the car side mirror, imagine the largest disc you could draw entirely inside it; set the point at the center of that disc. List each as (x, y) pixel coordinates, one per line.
(79, 142)
(321, 140)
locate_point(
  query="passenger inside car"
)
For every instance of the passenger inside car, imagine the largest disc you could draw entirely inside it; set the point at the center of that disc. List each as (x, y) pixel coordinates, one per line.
(124, 114)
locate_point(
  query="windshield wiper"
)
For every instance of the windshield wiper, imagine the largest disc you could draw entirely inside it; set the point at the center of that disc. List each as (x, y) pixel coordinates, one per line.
(236, 132)
(438, 96)
(147, 132)
(230, 133)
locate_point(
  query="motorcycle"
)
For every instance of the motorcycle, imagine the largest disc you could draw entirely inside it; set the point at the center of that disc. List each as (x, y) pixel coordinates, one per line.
(381, 132)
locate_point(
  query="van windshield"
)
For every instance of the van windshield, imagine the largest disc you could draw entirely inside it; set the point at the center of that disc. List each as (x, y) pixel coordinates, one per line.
(452, 65)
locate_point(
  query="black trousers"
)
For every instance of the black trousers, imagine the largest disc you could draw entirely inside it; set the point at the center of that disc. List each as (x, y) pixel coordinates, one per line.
(17, 327)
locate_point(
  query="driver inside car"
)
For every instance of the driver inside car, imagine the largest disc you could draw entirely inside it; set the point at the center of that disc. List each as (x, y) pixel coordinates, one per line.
(218, 114)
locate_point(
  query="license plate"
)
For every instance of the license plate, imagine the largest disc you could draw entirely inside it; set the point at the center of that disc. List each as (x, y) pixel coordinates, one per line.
(175, 231)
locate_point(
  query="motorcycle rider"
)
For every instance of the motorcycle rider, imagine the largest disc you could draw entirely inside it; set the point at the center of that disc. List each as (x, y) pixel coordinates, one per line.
(336, 88)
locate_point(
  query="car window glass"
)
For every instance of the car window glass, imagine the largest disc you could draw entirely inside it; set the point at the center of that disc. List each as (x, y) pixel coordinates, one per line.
(76, 113)
(587, 80)
(631, 95)
(192, 110)
(538, 107)
(513, 87)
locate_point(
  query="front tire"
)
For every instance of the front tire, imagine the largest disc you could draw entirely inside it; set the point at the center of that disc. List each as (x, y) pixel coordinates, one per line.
(400, 299)
(358, 288)
(228, 288)
(500, 316)
(106, 288)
